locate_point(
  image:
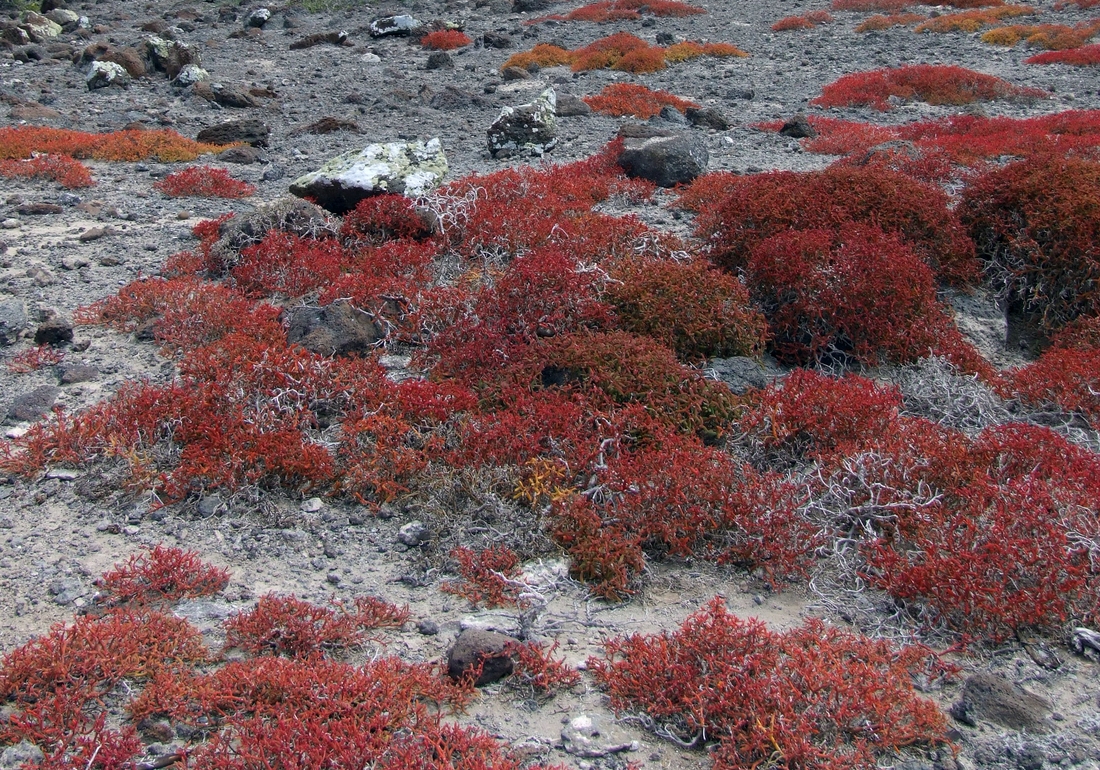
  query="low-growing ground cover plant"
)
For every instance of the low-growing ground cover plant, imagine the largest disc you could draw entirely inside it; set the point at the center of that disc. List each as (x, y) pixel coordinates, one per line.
(1052, 37)
(131, 665)
(445, 40)
(893, 6)
(622, 99)
(623, 10)
(1083, 56)
(620, 51)
(804, 21)
(934, 84)
(813, 697)
(66, 171)
(203, 182)
(974, 19)
(1036, 225)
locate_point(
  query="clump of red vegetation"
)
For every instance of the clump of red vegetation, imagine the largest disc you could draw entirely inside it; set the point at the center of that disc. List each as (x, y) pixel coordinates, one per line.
(66, 171)
(290, 627)
(805, 21)
(1067, 375)
(931, 83)
(1036, 227)
(490, 577)
(34, 358)
(160, 575)
(537, 668)
(445, 40)
(621, 99)
(855, 293)
(947, 148)
(893, 6)
(737, 213)
(203, 182)
(620, 51)
(623, 10)
(62, 690)
(1084, 56)
(813, 697)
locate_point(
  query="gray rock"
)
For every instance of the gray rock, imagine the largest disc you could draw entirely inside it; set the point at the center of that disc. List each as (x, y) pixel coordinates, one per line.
(571, 106)
(741, 94)
(496, 40)
(66, 590)
(798, 127)
(30, 52)
(393, 25)
(440, 60)
(665, 160)
(20, 755)
(742, 373)
(591, 736)
(337, 329)
(414, 534)
(30, 406)
(241, 155)
(528, 129)
(69, 374)
(253, 132)
(452, 98)
(13, 320)
(992, 698)
(234, 97)
(427, 627)
(485, 648)
(669, 114)
(515, 73)
(258, 18)
(64, 17)
(106, 74)
(54, 331)
(707, 117)
(412, 168)
(273, 173)
(526, 6)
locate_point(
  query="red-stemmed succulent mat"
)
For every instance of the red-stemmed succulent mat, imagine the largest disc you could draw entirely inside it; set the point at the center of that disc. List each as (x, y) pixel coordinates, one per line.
(812, 697)
(1052, 37)
(54, 153)
(803, 21)
(894, 6)
(946, 149)
(974, 19)
(622, 99)
(935, 84)
(623, 10)
(554, 355)
(1084, 56)
(91, 693)
(620, 51)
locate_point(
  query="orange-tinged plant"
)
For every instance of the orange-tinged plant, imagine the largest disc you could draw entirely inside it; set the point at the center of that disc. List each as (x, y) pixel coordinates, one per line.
(543, 54)
(1052, 37)
(620, 99)
(445, 40)
(818, 697)
(805, 21)
(623, 10)
(620, 51)
(880, 21)
(931, 83)
(975, 19)
(203, 182)
(127, 145)
(66, 171)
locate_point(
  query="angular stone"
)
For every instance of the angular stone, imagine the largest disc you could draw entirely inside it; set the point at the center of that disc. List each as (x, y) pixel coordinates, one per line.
(13, 320)
(30, 406)
(487, 648)
(571, 106)
(411, 168)
(337, 329)
(529, 129)
(665, 160)
(190, 75)
(995, 699)
(798, 127)
(253, 132)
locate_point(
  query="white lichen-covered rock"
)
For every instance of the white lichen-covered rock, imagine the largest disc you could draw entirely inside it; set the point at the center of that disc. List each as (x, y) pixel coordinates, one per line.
(105, 74)
(258, 17)
(40, 29)
(64, 17)
(394, 25)
(409, 168)
(529, 129)
(189, 75)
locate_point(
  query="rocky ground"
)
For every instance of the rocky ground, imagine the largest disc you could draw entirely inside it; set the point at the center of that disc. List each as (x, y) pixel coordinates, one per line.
(62, 250)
